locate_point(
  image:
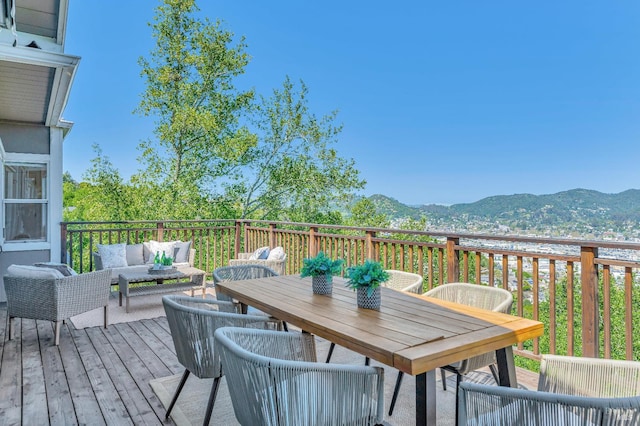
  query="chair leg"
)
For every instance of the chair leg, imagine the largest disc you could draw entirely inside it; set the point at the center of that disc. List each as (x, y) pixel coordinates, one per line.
(212, 400)
(58, 326)
(106, 316)
(331, 348)
(10, 318)
(494, 371)
(444, 379)
(367, 361)
(458, 381)
(284, 326)
(396, 389)
(183, 380)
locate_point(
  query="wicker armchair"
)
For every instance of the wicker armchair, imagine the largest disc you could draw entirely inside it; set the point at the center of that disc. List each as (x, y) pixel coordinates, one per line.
(571, 390)
(57, 299)
(276, 265)
(480, 296)
(273, 379)
(192, 323)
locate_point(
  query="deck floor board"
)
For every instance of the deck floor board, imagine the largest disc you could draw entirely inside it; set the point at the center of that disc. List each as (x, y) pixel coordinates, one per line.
(84, 399)
(34, 385)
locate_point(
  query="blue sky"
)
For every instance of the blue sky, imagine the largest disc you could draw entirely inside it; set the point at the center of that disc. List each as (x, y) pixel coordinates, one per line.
(442, 102)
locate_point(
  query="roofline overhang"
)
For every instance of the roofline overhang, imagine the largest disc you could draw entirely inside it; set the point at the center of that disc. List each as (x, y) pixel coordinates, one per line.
(65, 71)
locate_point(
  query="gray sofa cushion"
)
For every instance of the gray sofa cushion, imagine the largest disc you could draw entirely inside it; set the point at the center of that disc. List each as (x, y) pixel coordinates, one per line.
(181, 253)
(135, 254)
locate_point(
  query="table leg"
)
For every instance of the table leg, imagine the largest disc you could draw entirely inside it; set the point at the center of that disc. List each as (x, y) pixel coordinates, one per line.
(506, 367)
(426, 398)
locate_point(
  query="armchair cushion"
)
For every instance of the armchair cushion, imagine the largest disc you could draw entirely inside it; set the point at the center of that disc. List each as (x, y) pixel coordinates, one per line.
(27, 271)
(113, 255)
(276, 254)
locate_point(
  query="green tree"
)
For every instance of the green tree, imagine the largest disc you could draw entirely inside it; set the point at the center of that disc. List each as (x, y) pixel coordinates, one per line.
(102, 195)
(190, 92)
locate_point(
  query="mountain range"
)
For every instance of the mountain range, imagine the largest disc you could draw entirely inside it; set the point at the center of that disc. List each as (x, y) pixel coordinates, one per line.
(581, 213)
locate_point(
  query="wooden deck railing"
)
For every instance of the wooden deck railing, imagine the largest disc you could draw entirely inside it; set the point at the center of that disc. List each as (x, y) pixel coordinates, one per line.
(585, 292)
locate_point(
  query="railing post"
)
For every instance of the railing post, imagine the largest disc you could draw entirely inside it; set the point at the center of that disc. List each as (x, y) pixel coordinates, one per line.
(272, 235)
(160, 226)
(236, 245)
(246, 236)
(371, 251)
(313, 243)
(453, 260)
(63, 243)
(590, 306)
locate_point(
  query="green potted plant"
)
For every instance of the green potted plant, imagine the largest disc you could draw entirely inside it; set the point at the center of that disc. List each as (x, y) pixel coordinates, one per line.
(321, 269)
(366, 280)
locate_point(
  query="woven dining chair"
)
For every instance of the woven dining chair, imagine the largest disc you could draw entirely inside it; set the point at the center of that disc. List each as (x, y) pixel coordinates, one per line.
(480, 296)
(404, 281)
(242, 272)
(571, 390)
(192, 323)
(274, 379)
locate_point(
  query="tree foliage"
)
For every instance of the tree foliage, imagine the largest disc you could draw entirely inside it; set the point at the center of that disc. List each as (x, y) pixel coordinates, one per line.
(293, 163)
(217, 151)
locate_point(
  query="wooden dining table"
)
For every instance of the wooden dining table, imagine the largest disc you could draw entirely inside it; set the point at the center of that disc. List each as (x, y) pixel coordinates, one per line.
(412, 333)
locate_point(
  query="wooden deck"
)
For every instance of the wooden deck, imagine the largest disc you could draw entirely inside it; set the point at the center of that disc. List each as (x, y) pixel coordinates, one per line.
(95, 376)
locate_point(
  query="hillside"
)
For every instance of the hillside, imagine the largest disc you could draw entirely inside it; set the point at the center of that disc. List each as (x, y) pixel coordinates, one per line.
(577, 212)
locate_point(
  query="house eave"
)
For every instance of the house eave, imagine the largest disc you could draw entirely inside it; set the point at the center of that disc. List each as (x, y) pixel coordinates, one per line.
(64, 68)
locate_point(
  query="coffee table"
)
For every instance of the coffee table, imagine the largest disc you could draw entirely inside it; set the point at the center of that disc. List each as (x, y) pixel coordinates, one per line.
(194, 276)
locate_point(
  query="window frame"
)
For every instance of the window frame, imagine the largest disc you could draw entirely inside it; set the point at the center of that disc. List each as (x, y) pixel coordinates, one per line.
(18, 160)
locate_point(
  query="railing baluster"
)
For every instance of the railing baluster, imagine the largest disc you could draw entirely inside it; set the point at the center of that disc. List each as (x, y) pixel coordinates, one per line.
(606, 312)
(536, 299)
(628, 315)
(552, 306)
(570, 310)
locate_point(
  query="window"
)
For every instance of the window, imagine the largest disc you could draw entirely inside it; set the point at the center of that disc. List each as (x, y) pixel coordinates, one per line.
(25, 202)
(4, 13)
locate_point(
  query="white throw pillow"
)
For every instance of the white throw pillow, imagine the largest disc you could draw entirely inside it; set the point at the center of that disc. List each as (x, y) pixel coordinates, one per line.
(276, 254)
(182, 251)
(113, 255)
(156, 246)
(261, 253)
(28, 271)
